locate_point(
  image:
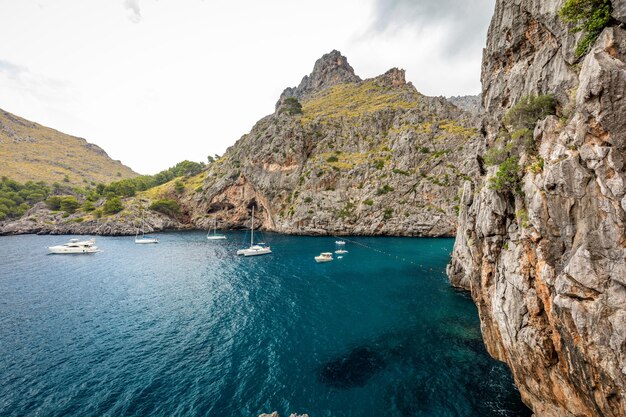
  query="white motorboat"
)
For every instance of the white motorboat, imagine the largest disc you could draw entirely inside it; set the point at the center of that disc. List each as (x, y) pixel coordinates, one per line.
(75, 246)
(324, 257)
(254, 249)
(341, 251)
(144, 238)
(215, 235)
(340, 242)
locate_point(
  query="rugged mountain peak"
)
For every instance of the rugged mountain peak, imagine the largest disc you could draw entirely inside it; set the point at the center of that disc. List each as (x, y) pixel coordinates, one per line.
(392, 78)
(331, 69)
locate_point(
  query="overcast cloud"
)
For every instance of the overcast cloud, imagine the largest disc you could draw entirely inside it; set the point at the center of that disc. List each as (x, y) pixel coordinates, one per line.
(133, 8)
(464, 23)
(155, 82)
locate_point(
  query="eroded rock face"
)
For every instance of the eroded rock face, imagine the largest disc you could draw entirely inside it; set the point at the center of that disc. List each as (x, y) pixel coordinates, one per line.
(371, 157)
(547, 268)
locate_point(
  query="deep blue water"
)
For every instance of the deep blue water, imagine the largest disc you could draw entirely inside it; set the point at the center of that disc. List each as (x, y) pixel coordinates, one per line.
(187, 328)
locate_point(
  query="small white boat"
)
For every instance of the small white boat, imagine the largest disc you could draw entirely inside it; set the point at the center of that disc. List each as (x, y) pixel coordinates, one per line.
(341, 251)
(144, 238)
(215, 235)
(340, 242)
(75, 246)
(324, 257)
(254, 249)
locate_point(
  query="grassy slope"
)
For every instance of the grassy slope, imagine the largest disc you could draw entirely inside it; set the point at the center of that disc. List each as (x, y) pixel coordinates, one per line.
(29, 151)
(355, 99)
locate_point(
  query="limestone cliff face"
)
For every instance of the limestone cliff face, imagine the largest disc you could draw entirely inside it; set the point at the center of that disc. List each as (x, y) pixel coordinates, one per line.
(367, 157)
(547, 266)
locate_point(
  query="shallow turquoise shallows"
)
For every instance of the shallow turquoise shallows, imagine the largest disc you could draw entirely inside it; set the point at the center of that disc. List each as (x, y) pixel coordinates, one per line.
(187, 328)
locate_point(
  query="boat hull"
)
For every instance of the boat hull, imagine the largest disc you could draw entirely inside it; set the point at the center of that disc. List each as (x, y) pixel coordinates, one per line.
(143, 241)
(60, 250)
(216, 237)
(254, 252)
(320, 260)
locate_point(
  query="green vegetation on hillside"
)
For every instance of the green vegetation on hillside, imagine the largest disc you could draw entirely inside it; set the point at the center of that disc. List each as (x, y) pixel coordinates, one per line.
(353, 100)
(166, 206)
(517, 139)
(291, 106)
(589, 17)
(128, 187)
(66, 203)
(530, 109)
(17, 198)
(112, 205)
(507, 177)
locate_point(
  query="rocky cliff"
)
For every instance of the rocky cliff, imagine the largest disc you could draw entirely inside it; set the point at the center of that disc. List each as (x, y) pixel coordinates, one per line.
(367, 157)
(364, 157)
(546, 260)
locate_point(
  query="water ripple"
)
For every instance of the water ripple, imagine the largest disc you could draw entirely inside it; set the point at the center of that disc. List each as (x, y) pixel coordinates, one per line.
(187, 328)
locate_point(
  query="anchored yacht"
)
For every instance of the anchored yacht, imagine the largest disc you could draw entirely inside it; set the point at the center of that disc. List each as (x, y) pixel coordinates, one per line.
(324, 257)
(75, 246)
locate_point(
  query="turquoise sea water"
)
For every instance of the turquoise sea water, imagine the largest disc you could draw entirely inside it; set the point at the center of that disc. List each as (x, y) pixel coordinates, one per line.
(187, 328)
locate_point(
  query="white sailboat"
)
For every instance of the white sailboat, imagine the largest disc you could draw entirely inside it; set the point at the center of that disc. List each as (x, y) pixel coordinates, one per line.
(254, 249)
(75, 246)
(144, 238)
(215, 235)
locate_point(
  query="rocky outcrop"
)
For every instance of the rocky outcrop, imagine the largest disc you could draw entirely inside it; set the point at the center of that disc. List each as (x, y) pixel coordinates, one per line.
(372, 157)
(40, 220)
(471, 104)
(331, 69)
(547, 266)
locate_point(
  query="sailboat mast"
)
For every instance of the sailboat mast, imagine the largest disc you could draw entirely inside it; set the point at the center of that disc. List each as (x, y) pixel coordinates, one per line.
(252, 229)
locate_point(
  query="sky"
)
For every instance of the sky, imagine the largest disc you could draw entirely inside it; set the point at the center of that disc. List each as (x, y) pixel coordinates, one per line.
(155, 82)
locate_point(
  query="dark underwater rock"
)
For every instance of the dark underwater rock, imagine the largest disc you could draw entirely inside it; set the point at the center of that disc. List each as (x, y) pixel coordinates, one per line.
(353, 369)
